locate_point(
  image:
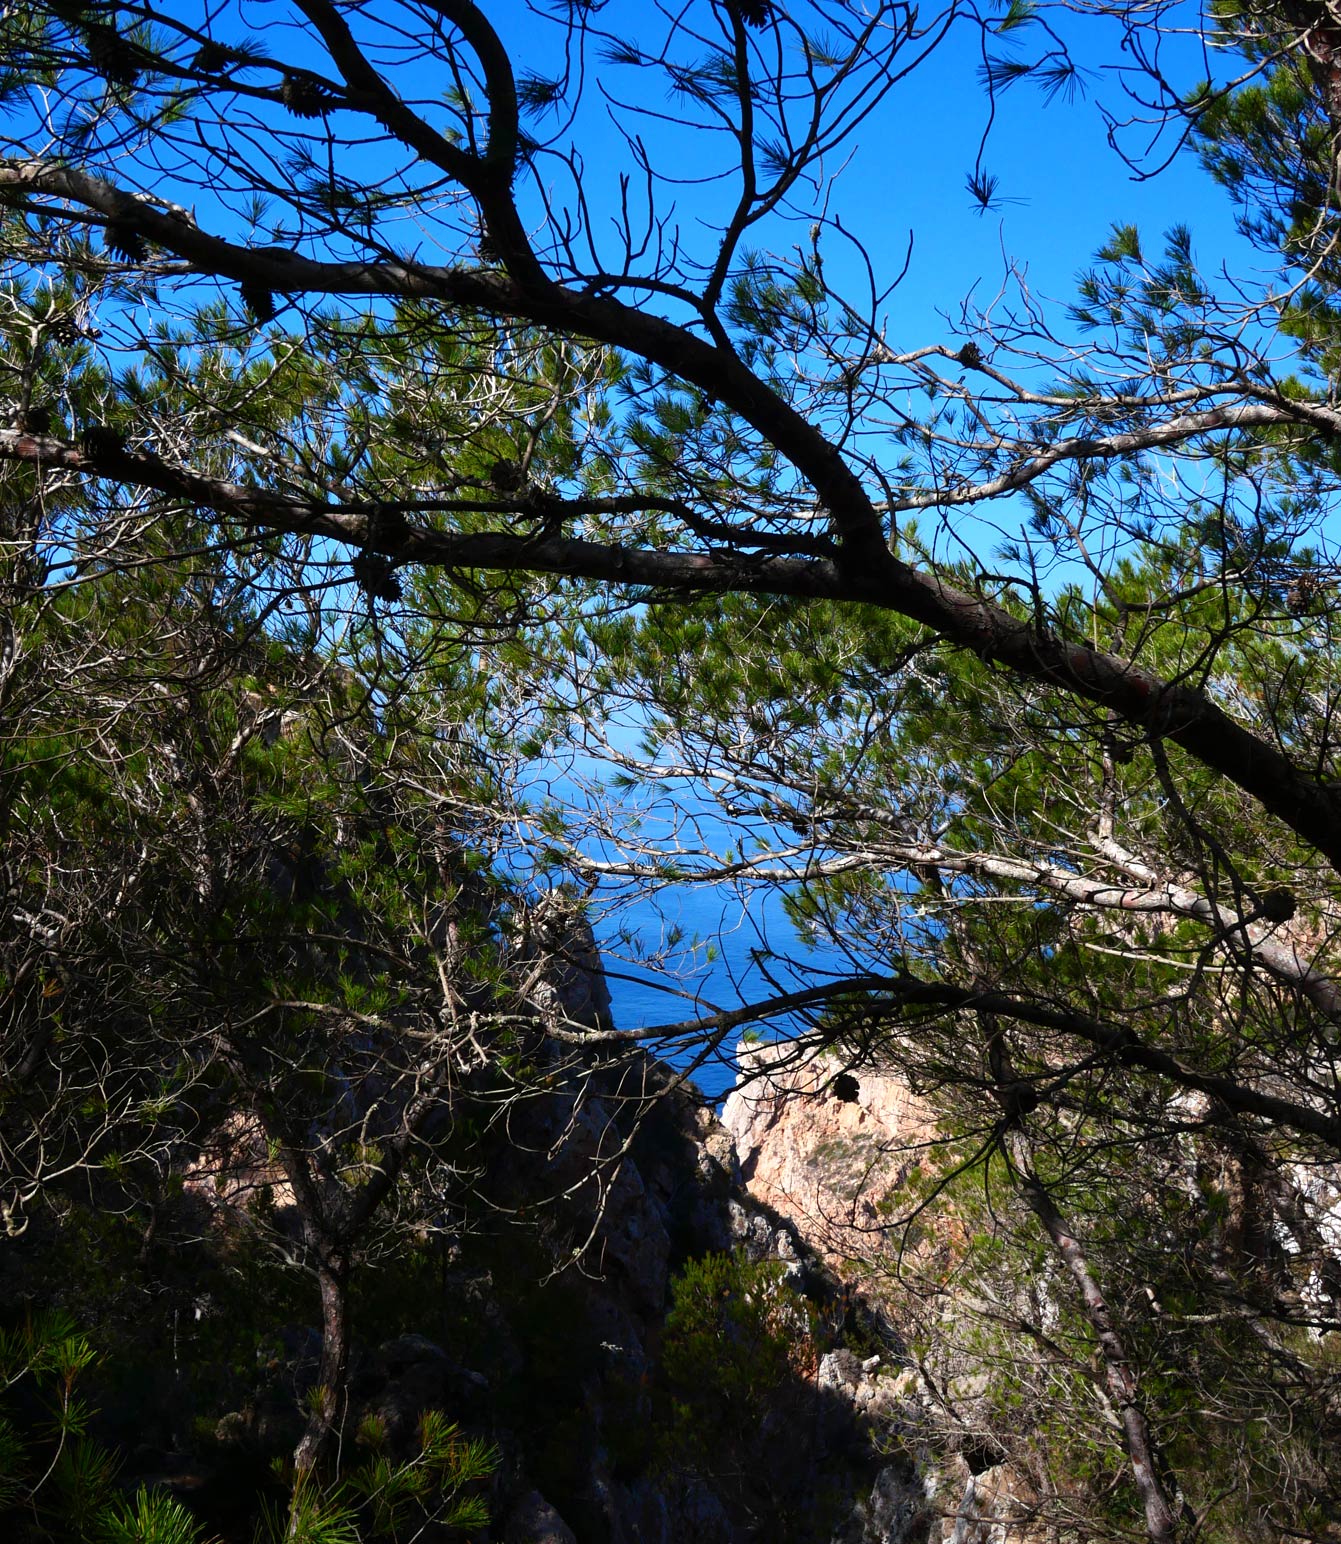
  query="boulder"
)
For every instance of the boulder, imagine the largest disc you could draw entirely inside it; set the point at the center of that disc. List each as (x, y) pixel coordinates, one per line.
(411, 1374)
(534, 1521)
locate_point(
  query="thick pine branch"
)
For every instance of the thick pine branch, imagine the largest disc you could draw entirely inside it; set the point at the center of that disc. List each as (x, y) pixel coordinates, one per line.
(1306, 803)
(866, 999)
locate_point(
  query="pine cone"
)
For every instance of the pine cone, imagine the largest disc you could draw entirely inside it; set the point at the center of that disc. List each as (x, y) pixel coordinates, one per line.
(122, 238)
(211, 58)
(111, 55)
(37, 420)
(305, 98)
(100, 442)
(484, 246)
(75, 13)
(1277, 904)
(64, 330)
(507, 476)
(258, 300)
(754, 13)
(373, 575)
(1300, 596)
(970, 356)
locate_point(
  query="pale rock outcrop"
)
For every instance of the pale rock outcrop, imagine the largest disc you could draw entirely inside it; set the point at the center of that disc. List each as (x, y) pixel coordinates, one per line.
(824, 1146)
(824, 1152)
(236, 1170)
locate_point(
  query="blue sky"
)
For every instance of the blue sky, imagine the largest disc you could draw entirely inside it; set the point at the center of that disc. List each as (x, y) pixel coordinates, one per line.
(1061, 183)
(902, 175)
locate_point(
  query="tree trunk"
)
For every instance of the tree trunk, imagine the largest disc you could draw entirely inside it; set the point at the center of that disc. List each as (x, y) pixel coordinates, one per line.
(1119, 1373)
(1016, 1098)
(328, 1397)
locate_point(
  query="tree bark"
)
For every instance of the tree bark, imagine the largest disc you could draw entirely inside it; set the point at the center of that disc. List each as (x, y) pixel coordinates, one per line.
(1119, 1371)
(329, 1394)
(1120, 1377)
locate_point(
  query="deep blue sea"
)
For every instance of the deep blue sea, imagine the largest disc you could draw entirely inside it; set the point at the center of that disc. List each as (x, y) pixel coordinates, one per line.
(734, 927)
(688, 950)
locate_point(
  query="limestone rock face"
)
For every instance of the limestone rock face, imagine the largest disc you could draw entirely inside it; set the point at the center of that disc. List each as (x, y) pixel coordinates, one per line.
(534, 1521)
(823, 1146)
(581, 1139)
(824, 1152)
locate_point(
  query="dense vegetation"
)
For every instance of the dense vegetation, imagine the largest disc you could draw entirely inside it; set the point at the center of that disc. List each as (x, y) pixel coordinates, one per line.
(365, 454)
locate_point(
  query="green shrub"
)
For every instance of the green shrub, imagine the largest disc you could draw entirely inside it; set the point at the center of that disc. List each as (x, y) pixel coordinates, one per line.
(388, 1501)
(150, 1517)
(52, 1472)
(739, 1344)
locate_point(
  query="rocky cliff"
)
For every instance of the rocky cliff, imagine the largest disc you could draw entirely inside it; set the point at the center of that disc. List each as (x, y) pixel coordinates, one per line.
(831, 1153)
(659, 1318)
(792, 1183)
(800, 1455)
(823, 1146)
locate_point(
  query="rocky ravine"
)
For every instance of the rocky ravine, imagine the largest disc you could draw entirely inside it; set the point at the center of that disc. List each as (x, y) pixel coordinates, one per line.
(821, 1464)
(558, 1353)
(825, 1150)
(791, 1174)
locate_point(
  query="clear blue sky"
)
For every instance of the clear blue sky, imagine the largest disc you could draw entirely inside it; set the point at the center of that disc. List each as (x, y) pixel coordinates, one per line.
(902, 174)
(904, 171)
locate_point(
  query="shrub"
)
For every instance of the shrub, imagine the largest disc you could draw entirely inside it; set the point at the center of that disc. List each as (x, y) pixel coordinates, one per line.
(739, 1345)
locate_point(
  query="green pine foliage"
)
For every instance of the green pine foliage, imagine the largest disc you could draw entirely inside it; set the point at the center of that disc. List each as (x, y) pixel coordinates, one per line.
(336, 542)
(57, 1481)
